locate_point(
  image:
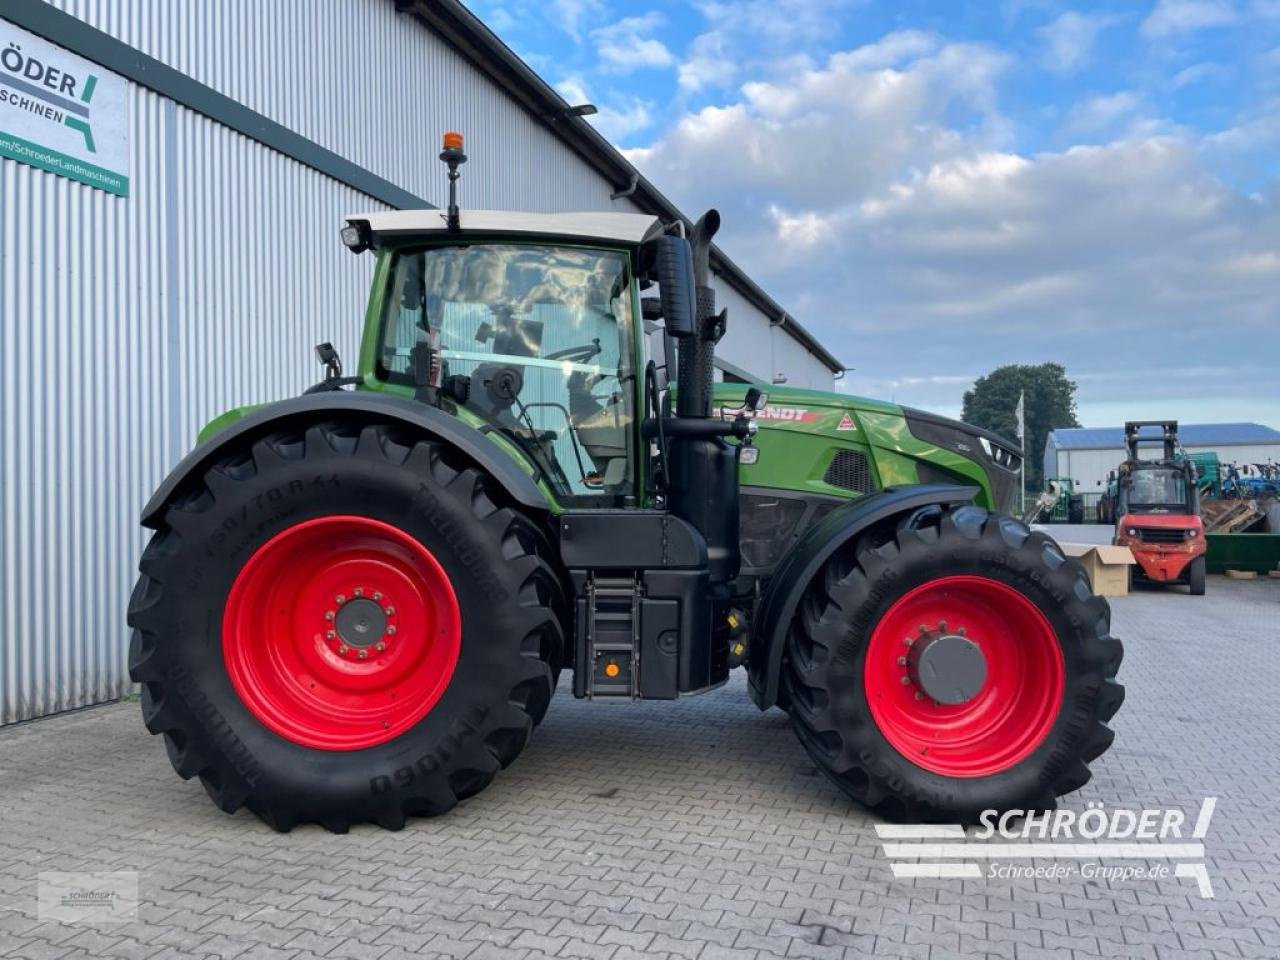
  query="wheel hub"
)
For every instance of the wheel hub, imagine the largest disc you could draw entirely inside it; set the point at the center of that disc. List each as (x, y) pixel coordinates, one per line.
(341, 632)
(948, 668)
(964, 676)
(361, 623)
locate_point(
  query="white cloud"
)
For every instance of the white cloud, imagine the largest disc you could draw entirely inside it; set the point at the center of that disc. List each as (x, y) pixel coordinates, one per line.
(629, 45)
(1102, 116)
(1187, 16)
(1196, 73)
(708, 64)
(572, 15)
(1069, 39)
(879, 197)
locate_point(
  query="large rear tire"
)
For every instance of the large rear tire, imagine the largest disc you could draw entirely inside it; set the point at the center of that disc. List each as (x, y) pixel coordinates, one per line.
(953, 668)
(345, 624)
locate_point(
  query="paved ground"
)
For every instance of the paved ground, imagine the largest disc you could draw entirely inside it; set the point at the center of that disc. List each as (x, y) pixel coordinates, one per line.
(691, 830)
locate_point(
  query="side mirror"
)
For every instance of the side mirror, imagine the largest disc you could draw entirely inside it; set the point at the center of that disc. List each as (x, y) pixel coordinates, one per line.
(673, 269)
(327, 354)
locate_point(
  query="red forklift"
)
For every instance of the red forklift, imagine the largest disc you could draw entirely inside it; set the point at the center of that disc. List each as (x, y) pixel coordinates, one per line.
(1157, 509)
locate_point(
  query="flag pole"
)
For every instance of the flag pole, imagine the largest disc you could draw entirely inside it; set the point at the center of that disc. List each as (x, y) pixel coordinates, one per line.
(1022, 438)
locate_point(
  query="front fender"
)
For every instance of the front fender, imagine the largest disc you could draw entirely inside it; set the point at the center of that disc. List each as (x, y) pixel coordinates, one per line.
(367, 405)
(805, 561)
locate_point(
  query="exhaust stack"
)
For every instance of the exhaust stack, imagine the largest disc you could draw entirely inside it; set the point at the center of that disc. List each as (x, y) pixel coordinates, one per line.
(697, 352)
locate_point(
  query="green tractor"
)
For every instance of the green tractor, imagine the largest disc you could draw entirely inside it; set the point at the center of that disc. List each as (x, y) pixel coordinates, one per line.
(1059, 503)
(358, 602)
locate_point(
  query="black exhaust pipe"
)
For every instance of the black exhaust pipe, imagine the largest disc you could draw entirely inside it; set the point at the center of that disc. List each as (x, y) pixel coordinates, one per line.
(697, 353)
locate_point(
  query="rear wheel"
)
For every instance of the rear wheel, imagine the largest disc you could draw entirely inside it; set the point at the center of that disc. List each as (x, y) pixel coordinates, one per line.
(952, 669)
(1195, 576)
(345, 624)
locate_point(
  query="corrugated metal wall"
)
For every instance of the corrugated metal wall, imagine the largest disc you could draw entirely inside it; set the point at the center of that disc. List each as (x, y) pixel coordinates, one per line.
(126, 324)
(378, 88)
(367, 83)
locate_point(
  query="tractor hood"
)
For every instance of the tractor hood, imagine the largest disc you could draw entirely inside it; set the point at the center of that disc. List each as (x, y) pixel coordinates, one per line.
(837, 444)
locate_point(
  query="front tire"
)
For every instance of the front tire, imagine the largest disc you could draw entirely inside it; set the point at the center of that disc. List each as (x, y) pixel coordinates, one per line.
(952, 669)
(345, 624)
(1195, 576)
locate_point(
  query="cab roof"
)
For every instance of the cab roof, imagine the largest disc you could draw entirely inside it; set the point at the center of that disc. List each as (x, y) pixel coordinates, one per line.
(627, 228)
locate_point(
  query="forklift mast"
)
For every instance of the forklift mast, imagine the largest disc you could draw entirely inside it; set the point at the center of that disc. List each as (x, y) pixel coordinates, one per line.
(1168, 437)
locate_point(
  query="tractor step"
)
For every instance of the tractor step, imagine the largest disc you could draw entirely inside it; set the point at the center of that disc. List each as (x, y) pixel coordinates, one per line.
(613, 637)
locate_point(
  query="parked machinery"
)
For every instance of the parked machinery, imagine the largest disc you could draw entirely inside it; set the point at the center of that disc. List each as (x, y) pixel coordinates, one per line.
(1157, 509)
(357, 602)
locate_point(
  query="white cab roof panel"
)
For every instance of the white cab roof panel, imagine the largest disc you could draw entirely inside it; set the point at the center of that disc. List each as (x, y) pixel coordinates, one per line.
(629, 228)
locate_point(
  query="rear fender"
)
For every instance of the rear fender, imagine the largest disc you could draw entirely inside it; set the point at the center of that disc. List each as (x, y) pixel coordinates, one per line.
(367, 406)
(798, 568)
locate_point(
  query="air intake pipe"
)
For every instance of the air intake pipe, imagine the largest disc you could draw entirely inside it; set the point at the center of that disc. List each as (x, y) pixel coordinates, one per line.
(697, 352)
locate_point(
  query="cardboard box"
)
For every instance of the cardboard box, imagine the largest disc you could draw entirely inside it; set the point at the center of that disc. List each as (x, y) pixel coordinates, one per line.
(1108, 567)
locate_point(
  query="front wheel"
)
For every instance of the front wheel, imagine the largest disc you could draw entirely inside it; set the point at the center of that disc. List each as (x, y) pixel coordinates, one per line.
(952, 669)
(345, 624)
(1195, 576)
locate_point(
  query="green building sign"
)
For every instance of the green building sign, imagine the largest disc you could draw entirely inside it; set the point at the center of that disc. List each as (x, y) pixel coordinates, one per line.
(62, 113)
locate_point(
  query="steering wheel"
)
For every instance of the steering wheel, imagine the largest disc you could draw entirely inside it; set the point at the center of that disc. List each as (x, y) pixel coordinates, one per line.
(577, 354)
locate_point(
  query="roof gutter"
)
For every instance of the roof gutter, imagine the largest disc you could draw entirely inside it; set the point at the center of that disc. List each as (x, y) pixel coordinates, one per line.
(468, 35)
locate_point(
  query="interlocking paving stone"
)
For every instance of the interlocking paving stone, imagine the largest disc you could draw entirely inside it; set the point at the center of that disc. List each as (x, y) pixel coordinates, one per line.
(691, 830)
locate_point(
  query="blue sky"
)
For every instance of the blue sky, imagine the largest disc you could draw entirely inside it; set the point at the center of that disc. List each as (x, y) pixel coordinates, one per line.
(938, 188)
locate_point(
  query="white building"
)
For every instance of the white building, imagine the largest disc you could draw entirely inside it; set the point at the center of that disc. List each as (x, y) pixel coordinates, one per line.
(185, 256)
(1088, 454)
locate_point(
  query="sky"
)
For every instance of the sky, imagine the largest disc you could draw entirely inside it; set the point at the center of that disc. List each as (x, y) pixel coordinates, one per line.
(938, 188)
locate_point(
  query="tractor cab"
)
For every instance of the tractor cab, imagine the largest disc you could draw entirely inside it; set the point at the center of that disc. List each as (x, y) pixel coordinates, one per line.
(532, 340)
(1157, 509)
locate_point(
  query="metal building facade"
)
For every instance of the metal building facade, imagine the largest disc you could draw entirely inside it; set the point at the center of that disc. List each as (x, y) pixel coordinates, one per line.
(130, 322)
(1089, 454)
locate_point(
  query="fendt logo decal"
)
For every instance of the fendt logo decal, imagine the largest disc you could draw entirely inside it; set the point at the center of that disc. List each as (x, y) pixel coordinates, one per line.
(789, 414)
(47, 92)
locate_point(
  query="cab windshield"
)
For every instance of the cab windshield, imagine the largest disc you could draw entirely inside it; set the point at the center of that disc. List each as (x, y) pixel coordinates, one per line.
(543, 335)
(1157, 490)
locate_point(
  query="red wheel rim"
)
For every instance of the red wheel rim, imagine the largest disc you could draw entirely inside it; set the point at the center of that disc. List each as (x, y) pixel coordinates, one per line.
(341, 633)
(1009, 715)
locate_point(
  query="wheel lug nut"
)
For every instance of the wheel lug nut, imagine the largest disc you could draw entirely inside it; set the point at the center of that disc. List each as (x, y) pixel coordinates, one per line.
(362, 654)
(328, 614)
(358, 591)
(377, 594)
(961, 631)
(902, 661)
(391, 630)
(391, 611)
(380, 646)
(942, 626)
(919, 695)
(330, 635)
(923, 629)
(341, 598)
(342, 648)
(905, 681)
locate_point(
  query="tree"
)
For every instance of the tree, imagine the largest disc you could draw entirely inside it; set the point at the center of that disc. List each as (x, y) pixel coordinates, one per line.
(1050, 403)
